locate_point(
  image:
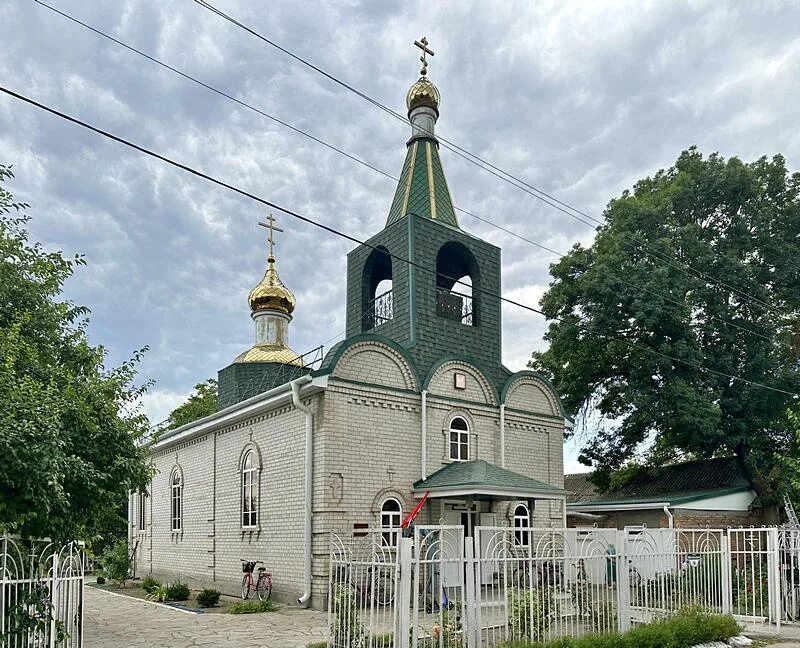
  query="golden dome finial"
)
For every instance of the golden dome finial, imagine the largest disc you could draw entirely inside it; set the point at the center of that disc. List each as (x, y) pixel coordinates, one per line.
(270, 293)
(423, 92)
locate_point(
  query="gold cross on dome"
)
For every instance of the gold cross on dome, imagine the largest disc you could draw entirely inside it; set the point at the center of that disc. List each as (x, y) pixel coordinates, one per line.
(423, 45)
(272, 228)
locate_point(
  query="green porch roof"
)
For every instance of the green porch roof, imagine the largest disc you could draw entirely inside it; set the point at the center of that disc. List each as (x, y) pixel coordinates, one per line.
(480, 478)
(422, 188)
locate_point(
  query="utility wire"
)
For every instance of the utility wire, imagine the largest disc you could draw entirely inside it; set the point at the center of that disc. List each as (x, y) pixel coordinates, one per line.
(354, 158)
(565, 208)
(353, 239)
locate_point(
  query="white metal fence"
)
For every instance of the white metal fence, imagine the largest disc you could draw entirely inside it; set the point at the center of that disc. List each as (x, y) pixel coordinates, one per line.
(441, 589)
(41, 594)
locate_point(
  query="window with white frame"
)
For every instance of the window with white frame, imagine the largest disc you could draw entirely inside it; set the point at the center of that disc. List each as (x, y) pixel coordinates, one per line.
(521, 524)
(142, 511)
(249, 490)
(176, 499)
(391, 516)
(459, 439)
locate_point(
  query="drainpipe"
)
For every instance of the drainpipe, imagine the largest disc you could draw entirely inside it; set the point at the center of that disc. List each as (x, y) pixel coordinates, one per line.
(668, 514)
(306, 597)
(502, 435)
(424, 434)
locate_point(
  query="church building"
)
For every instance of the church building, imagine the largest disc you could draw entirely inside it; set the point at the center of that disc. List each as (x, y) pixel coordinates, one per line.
(414, 401)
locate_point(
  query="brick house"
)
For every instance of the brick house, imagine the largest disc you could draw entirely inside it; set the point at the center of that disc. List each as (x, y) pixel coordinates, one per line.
(711, 493)
(414, 400)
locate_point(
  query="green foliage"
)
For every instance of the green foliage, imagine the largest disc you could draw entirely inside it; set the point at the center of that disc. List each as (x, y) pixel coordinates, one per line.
(159, 593)
(202, 402)
(689, 627)
(609, 303)
(116, 562)
(208, 598)
(530, 611)
(446, 632)
(29, 617)
(251, 607)
(751, 591)
(347, 630)
(178, 591)
(68, 426)
(101, 580)
(149, 584)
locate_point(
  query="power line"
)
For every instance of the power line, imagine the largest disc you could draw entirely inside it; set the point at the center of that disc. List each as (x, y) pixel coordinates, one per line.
(354, 158)
(353, 239)
(539, 194)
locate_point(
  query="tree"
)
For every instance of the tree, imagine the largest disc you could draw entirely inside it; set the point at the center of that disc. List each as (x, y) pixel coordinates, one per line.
(625, 311)
(201, 402)
(69, 426)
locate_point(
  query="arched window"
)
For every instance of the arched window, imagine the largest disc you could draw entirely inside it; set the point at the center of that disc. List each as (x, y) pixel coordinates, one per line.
(176, 499)
(521, 524)
(142, 511)
(249, 490)
(376, 289)
(459, 439)
(457, 284)
(391, 516)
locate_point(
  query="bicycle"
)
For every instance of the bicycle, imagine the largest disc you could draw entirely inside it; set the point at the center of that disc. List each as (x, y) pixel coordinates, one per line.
(378, 588)
(262, 586)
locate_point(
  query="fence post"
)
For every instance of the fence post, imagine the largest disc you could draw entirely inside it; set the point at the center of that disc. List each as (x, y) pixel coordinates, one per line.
(53, 602)
(469, 624)
(726, 565)
(774, 578)
(402, 628)
(623, 582)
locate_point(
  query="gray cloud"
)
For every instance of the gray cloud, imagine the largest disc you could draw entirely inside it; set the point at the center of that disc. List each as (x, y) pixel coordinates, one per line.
(580, 99)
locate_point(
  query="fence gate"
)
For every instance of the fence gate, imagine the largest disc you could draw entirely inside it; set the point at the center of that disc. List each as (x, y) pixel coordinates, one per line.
(789, 565)
(41, 600)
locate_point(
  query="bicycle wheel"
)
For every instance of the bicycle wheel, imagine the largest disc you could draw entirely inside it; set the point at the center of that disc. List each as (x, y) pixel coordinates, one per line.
(247, 583)
(264, 588)
(384, 589)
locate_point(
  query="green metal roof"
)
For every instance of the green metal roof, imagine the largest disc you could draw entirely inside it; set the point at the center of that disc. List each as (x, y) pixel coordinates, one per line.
(481, 475)
(422, 188)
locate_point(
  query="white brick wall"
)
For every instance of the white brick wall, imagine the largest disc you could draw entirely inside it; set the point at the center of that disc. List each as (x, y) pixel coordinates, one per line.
(367, 446)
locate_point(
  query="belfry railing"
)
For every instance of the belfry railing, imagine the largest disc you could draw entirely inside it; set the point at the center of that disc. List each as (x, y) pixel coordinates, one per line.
(379, 310)
(454, 306)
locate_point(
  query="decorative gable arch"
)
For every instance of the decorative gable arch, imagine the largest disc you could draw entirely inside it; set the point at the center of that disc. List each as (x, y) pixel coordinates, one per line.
(371, 356)
(531, 392)
(438, 383)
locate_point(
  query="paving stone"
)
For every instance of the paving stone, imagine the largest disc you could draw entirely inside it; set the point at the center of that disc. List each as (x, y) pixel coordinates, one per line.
(114, 621)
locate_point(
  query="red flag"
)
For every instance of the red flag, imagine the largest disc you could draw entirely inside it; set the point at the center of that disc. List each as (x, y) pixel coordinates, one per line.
(410, 517)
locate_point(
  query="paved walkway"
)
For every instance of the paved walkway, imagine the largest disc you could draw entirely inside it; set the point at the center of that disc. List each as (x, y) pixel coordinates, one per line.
(116, 621)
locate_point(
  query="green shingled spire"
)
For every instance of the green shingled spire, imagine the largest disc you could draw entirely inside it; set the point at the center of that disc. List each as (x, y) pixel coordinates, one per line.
(422, 189)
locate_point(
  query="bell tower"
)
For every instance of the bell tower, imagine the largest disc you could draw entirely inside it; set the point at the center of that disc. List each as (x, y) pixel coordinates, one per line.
(445, 304)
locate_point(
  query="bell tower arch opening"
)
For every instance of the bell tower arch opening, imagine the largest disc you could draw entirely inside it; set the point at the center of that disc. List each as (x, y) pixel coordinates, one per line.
(377, 297)
(458, 283)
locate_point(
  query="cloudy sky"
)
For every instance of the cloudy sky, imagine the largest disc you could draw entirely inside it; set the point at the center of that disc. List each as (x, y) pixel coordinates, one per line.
(578, 98)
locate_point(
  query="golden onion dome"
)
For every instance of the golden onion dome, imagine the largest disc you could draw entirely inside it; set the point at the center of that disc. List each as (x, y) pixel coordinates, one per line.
(270, 353)
(423, 93)
(271, 294)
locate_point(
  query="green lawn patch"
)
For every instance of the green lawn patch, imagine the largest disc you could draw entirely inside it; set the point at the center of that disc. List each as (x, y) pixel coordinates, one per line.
(251, 607)
(685, 629)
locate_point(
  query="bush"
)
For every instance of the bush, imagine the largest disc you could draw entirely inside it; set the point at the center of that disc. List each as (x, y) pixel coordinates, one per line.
(251, 607)
(208, 598)
(159, 593)
(520, 603)
(178, 591)
(101, 580)
(149, 584)
(685, 629)
(116, 562)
